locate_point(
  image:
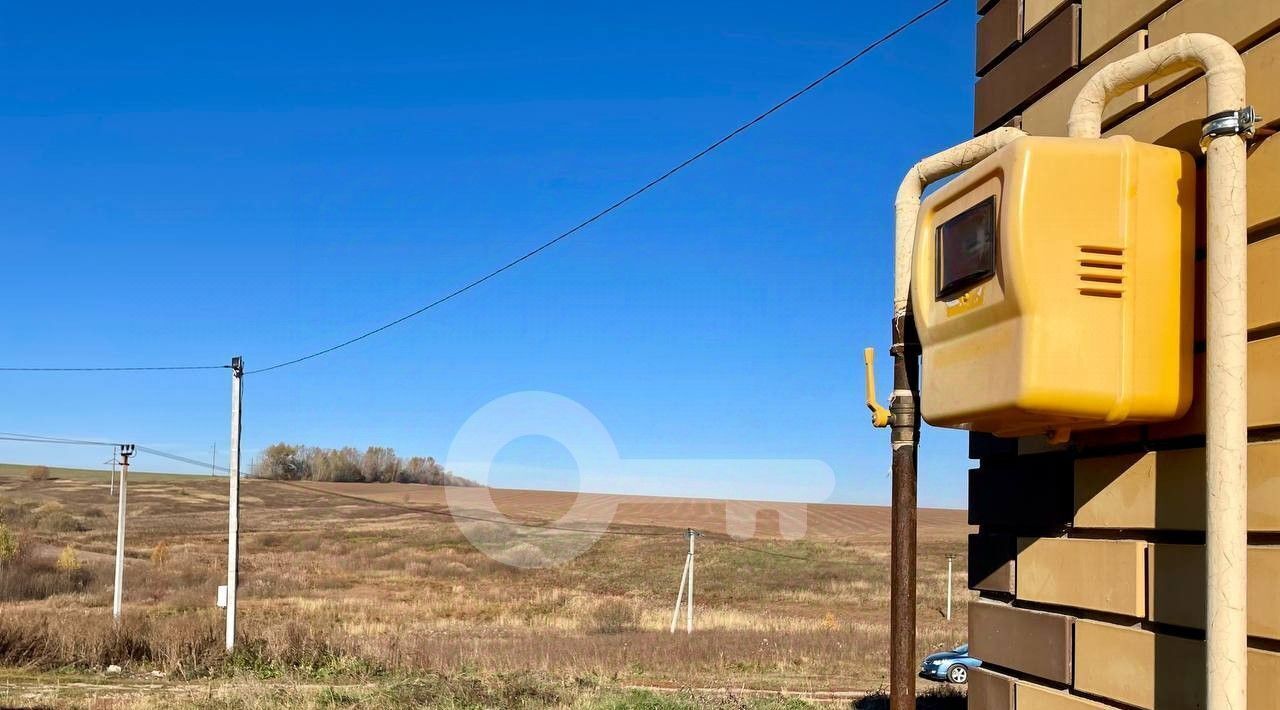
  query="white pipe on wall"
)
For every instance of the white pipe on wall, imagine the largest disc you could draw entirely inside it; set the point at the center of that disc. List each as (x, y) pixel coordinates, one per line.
(1226, 387)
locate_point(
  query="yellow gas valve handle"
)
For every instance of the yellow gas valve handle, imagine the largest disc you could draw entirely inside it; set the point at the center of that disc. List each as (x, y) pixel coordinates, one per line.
(879, 415)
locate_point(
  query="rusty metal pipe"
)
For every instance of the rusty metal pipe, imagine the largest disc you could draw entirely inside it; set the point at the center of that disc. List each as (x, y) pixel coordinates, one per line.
(904, 435)
(904, 418)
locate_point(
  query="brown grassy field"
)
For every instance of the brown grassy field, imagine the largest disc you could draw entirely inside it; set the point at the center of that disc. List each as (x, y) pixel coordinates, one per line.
(372, 595)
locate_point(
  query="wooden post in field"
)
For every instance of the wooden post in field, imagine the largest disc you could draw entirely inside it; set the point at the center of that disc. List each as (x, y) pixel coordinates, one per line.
(117, 594)
(950, 557)
(233, 500)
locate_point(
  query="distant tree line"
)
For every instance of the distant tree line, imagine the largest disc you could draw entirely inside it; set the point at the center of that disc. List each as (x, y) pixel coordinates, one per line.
(378, 464)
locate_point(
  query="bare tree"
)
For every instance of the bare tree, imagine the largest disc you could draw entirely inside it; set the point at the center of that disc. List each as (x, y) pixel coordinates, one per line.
(379, 465)
(281, 462)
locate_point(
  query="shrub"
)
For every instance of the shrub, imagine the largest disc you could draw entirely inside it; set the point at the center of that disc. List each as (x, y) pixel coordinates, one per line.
(159, 555)
(68, 561)
(28, 577)
(57, 521)
(8, 545)
(522, 555)
(38, 473)
(614, 616)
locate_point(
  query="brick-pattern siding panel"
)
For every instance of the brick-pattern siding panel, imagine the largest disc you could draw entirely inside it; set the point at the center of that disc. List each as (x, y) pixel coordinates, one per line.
(1048, 55)
(989, 690)
(1105, 22)
(1101, 575)
(1036, 643)
(1263, 406)
(998, 31)
(1240, 22)
(1159, 671)
(1165, 490)
(1031, 492)
(991, 563)
(1035, 697)
(1035, 12)
(1177, 585)
(1048, 116)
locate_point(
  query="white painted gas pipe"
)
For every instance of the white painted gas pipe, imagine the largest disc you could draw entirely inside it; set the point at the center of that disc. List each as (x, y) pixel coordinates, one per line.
(1226, 437)
(907, 205)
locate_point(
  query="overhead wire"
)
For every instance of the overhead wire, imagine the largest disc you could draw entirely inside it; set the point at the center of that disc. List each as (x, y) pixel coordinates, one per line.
(545, 245)
(616, 205)
(113, 369)
(42, 439)
(475, 283)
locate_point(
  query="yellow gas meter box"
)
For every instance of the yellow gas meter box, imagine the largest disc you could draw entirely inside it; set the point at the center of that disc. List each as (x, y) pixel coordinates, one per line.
(1052, 288)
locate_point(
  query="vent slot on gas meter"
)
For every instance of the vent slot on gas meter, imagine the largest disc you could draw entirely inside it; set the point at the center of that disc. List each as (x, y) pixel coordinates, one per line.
(1052, 288)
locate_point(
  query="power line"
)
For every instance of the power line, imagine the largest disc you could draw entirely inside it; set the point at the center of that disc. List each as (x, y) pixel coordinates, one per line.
(182, 459)
(631, 196)
(762, 551)
(545, 245)
(112, 369)
(42, 439)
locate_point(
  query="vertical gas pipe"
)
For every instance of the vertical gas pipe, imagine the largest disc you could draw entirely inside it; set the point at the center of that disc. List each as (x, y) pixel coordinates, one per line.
(1224, 131)
(903, 415)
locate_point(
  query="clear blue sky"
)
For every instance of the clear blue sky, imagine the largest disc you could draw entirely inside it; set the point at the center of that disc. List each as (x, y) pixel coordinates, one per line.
(183, 183)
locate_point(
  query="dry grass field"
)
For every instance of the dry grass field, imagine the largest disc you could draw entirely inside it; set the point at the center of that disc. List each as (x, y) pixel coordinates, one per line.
(369, 595)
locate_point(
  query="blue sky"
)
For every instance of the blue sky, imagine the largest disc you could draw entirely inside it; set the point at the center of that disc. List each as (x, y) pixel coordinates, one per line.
(182, 183)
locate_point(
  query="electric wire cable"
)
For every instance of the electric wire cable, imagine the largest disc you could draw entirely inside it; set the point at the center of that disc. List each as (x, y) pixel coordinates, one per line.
(616, 205)
(42, 439)
(545, 245)
(36, 438)
(749, 548)
(114, 369)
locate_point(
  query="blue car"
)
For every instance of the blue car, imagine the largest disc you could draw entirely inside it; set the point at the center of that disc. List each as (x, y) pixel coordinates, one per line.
(949, 666)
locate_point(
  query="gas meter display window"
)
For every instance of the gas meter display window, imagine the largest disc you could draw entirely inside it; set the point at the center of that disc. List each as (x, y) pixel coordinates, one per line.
(966, 249)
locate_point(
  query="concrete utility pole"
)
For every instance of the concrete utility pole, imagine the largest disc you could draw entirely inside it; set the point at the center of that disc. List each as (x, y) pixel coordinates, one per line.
(233, 500)
(213, 461)
(117, 597)
(950, 557)
(686, 586)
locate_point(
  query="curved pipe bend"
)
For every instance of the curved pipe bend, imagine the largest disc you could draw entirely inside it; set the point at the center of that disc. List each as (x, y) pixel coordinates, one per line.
(1220, 61)
(907, 205)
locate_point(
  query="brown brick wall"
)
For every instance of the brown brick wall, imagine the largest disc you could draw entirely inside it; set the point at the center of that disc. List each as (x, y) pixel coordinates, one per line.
(1089, 556)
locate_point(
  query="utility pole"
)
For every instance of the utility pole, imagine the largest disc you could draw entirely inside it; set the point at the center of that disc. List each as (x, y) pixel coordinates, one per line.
(686, 585)
(126, 450)
(950, 557)
(113, 470)
(233, 500)
(213, 461)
